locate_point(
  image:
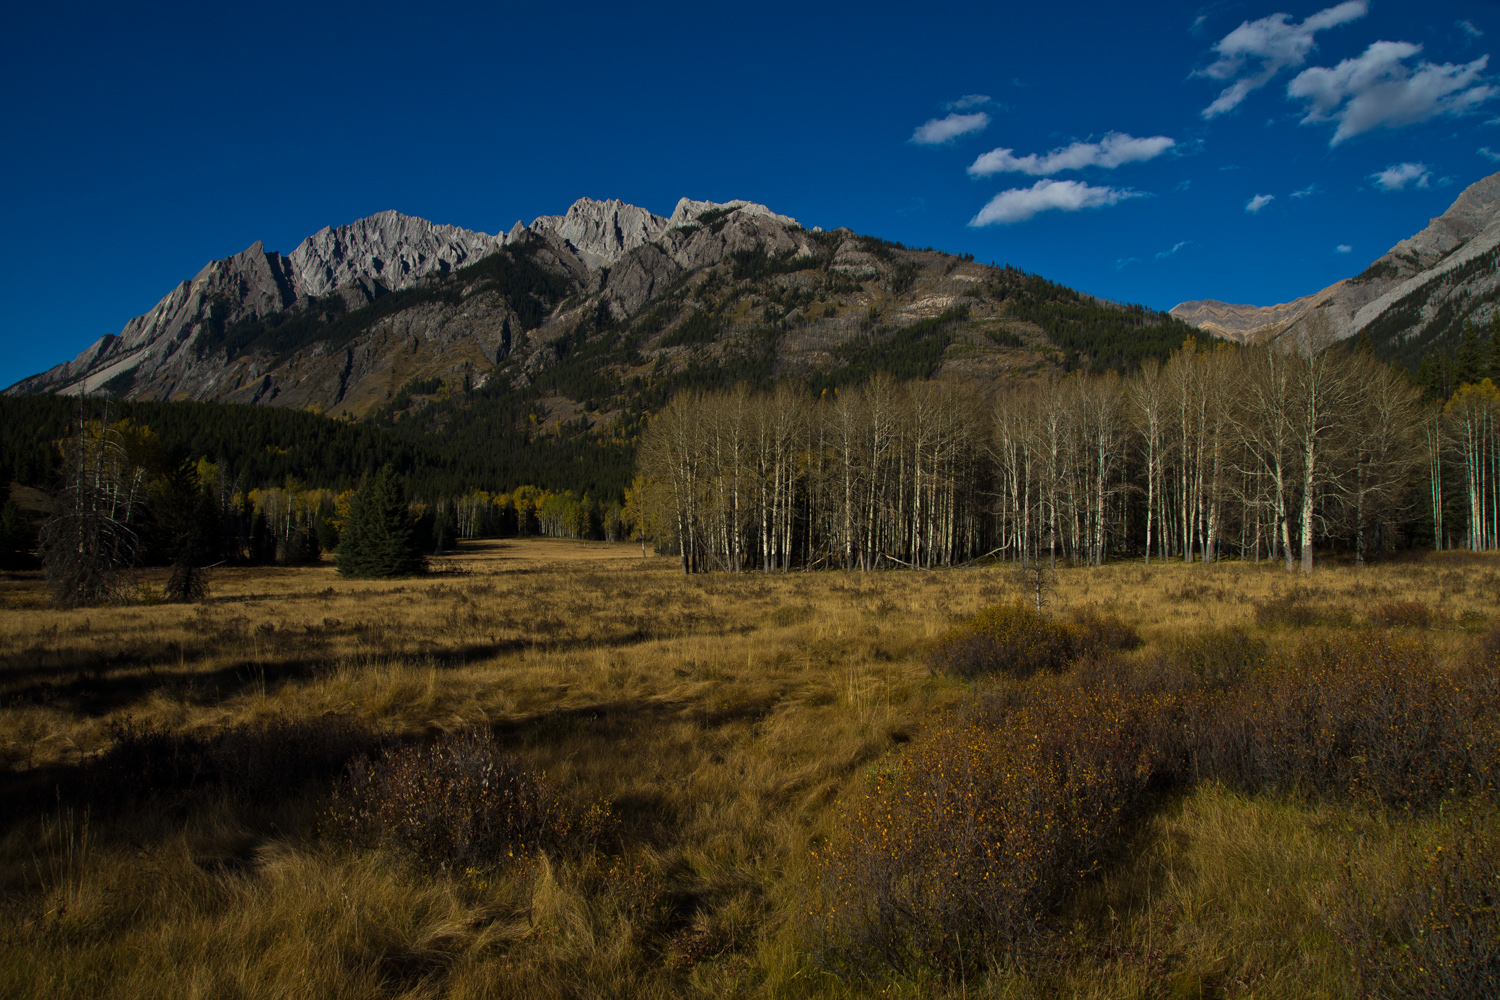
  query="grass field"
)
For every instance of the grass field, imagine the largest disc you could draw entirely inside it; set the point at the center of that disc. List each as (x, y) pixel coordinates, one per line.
(726, 721)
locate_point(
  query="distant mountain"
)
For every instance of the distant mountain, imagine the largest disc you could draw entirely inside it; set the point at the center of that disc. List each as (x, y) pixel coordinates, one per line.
(1414, 298)
(589, 317)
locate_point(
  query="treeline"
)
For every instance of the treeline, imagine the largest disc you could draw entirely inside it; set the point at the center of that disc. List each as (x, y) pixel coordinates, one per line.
(1241, 451)
(121, 502)
(499, 446)
(1475, 358)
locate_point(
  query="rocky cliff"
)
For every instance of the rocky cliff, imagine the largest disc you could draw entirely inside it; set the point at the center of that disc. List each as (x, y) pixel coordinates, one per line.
(595, 313)
(1412, 298)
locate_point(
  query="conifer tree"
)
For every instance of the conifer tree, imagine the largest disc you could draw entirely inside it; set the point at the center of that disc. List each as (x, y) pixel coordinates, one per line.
(1470, 358)
(17, 537)
(379, 539)
(1429, 377)
(1494, 359)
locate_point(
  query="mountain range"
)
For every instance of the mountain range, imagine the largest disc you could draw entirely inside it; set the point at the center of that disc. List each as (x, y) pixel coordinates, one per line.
(588, 316)
(600, 312)
(1413, 299)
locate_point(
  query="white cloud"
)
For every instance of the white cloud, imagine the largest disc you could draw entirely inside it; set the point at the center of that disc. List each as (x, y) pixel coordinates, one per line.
(941, 130)
(969, 101)
(1020, 204)
(1260, 201)
(1467, 27)
(1115, 149)
(1311, 189)
(1198, 23)
(1377, 90)
(1175, 247)
(1489, 154)
(1275, 44)
(1343, 248)
(1398, 177)
(1124, 262)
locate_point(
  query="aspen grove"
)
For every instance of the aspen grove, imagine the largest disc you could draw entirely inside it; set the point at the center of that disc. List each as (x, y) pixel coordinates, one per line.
(1252, 452)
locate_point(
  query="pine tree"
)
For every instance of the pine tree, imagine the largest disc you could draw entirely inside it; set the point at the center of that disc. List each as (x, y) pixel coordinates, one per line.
(379, 539)
(1471, 365)
(17, 537)
(1429, 377)
(1494, 360)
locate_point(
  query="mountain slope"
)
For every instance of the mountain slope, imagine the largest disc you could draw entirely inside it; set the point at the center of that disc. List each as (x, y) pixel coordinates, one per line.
(590, 316)
(1414, 297)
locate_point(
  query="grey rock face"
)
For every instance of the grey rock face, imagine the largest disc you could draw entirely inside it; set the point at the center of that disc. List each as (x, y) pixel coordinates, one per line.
(602, 231)
(1429, 260)
(387, 247)
(166, 352)
(687, 211)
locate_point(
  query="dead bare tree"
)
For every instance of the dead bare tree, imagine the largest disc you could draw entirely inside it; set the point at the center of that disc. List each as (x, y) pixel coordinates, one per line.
(88, 539)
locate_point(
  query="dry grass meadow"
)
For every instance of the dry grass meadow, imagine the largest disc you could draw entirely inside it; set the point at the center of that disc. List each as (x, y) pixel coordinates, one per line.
(725, 720)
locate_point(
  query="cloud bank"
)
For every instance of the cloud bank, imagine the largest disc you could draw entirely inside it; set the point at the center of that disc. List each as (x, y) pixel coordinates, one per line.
(937, 131)
(1378, 90)
(1274, 44)
(1401, 175)
(1020, 204)
(1115, 149)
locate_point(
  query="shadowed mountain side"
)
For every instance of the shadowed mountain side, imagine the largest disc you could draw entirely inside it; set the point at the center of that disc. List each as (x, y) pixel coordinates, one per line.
(1416, 296)
(592, 316)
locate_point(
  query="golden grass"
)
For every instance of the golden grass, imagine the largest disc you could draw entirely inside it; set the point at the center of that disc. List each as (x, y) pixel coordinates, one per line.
(723, 716)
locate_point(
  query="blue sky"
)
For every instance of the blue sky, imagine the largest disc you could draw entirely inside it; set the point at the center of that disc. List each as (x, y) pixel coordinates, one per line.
(1217, 151)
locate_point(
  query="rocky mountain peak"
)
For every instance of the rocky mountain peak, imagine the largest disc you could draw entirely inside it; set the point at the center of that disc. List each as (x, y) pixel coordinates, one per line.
(687, 211)
(602, 231)
(388, 247)
(387, 251)
(1445, 261)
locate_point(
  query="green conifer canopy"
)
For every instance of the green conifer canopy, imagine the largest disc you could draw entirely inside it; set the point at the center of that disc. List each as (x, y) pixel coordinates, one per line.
(378, 540)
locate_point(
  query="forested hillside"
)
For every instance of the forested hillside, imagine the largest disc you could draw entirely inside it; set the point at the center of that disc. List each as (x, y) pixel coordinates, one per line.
(537, 365)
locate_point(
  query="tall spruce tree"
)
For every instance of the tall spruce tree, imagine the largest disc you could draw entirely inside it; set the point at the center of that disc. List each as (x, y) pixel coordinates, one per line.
(379, 539)
(1493, 371)
(1471, 360)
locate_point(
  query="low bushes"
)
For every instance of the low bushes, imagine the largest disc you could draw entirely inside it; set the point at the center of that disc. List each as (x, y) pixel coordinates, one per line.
(462, 802)
(1374, 718)
(1433, 929)
(1300, 609)
(957, 850)
(1218, 657)
(1408, 614)
(1017, 640)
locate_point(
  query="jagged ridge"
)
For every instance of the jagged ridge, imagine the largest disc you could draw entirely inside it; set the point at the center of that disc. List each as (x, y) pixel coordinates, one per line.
(1416, 294)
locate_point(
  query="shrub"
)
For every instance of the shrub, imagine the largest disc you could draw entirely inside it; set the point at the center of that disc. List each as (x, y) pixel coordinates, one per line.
(1217, 658)
(956, 852)
(462, 802)
(1299, 609)
(1374, 718)
(1407, 614)
(1011, 639)
(1436, 931)
(1099, 633)
(1017, 640)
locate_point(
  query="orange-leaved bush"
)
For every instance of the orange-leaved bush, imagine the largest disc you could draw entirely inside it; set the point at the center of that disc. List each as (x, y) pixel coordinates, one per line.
(1017, 640)
(461, 802)
(957, 852)
(1374, 717)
